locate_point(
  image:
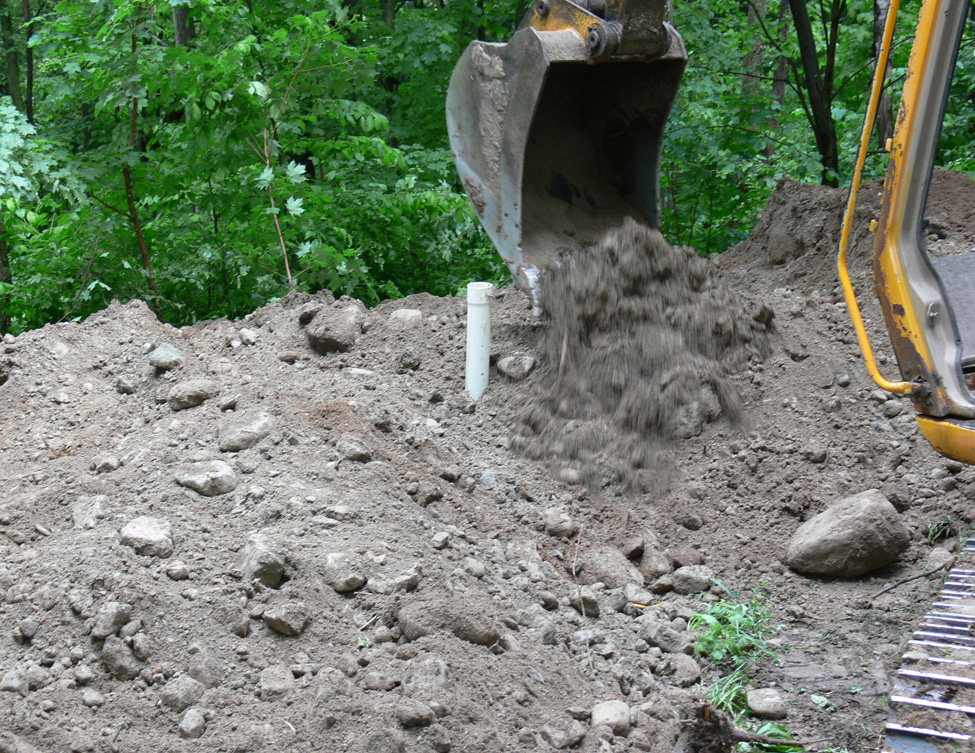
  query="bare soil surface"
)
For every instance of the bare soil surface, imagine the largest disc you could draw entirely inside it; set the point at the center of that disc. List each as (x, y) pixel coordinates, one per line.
(222, 538)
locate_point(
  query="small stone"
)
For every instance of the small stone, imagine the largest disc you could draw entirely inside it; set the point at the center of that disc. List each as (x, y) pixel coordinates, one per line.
(413, 713)
(766, 703)
(350, 449)
(682, 669)
(119, 660)
(290, 618)
(83, 674)
(192, 725)
(692, 579)
(406, 581)
(105, 463)
(28, 628)
(408, 317)
(583, 600)
(613, 714)
(441, 540)
(177, 570)
(191, 392)
(335, 329)
(474, 567)
(110, 617)
(241, 431)
(340, 574)
(93, 699)
(892, 408)
(125, 385)
(554, 737)
(150, 537)
(181, 693)
(166, 357)
(208, 478)
(15, 681)
(276, 682)
(517, 366)
(87, 511)
(248, 336)
(259, 561)
(558, 523)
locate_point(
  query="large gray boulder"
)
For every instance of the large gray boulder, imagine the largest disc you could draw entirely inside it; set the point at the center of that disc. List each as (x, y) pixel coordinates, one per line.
(858, 534)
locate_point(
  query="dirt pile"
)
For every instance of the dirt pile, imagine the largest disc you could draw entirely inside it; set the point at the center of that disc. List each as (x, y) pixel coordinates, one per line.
(247, 536)
(638, 352)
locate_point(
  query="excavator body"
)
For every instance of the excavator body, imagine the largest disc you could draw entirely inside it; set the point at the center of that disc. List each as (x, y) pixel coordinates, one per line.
(557, 133)
(928, 300)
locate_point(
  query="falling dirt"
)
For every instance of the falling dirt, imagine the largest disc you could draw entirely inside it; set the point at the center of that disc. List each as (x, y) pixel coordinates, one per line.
(222, 538)
(638, 351)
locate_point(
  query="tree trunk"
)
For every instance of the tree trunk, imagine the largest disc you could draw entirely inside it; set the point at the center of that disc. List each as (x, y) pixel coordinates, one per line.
(183, 26)
(885, 108)
(818, 85)
(5, 276)
(29, 93)
(779, 78)
(752, 69)
(12, 57)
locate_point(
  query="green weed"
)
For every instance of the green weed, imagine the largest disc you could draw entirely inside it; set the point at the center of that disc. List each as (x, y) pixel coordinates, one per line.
(732, 634)
(939, 530)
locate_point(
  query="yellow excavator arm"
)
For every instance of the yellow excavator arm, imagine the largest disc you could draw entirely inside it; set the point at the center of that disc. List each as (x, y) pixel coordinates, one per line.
(928, 302)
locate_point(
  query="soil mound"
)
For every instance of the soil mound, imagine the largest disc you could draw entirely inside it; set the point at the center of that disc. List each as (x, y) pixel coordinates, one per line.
(641, 343)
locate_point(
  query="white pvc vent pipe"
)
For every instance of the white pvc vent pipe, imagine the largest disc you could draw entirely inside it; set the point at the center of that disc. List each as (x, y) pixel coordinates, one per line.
(478, 337)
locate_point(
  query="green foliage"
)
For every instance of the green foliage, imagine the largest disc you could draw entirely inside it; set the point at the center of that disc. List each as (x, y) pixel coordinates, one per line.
(733, 633)
(939, 530)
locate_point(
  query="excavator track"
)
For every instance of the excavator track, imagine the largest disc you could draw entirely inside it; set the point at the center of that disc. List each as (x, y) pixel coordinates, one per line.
(933, 700)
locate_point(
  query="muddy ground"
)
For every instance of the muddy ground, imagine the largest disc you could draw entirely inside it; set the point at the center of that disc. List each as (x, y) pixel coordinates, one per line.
(222, 538)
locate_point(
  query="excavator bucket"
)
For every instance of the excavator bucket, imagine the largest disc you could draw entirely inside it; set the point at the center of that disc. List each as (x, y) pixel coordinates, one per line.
(557, 133)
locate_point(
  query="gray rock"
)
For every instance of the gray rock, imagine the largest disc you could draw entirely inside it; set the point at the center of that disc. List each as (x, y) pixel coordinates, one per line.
(351, 449)
(858, 534)
(209, 478)
(682, 670)
(205, 670)
(181, 693)
(192, 725)
(335, 329)
(613, 714)
(661, 634)
(109, 618)
(559, 523)
(241, 431)
(766, 703)
(426, 616)
(655, 564)
(406, 581)
(83, 674)
(939, 557)
(37, 676)
(148, 536)
(517, 366)
(119, 660)
(125, 385)
(248, 336)
(554, 737)
(636, 595)
(11, 743)
(87, 511)
(290, 618)
(105, 463)
(441, 540)
(413, 713)
(166, 357)
(406, 317)
(583, 600)
(192, 392)
(92, 698)
(259, 561)
(340, 575)
(15, 681)
(607, 564)
(692, 579)
(276, 682)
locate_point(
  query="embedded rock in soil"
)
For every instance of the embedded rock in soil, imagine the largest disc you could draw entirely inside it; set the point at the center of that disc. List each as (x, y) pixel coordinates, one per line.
(858, 534)
(119, 660)
(606, 564)
(336, 328)
(166, 357)
(192, 725)
(614, 714)
(426, 616)
(110, 617)
(290, 618)
(259, 561)
(192, 392)
(181, 693)
(766, 703)
(210, 479)
(242, 431)
(150, 537)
